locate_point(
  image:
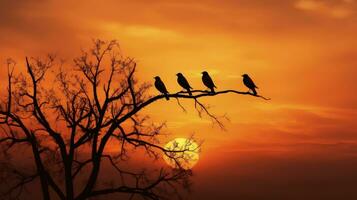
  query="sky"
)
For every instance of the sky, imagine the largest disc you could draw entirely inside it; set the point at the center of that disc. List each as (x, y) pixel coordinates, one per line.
(301, 53)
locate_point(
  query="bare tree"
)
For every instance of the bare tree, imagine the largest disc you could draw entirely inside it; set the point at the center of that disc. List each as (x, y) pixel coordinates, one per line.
(58, 114)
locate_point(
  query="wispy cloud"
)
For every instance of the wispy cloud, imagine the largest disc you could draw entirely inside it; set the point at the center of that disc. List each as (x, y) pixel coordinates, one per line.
(140, 31)
(341, 9)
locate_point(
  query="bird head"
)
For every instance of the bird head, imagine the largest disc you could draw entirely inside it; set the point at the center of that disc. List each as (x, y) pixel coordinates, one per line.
(204, 72)
(178, 74)
(156, 77)
(245, 75)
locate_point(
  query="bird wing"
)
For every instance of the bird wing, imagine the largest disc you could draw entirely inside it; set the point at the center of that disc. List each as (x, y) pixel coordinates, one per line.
(249, 82)
(160, 86)
(211, 81)
(183, 82)
(252, 83)
(207, 80)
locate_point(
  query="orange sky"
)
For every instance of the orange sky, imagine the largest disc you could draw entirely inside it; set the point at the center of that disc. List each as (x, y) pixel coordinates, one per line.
(301, 53)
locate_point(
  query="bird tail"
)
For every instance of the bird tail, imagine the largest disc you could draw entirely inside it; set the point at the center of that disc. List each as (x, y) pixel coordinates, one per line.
(167, 96)
(254, 91)
(189, 91)
(212, 90)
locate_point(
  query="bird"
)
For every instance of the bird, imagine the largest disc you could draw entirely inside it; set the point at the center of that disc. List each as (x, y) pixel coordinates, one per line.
(207, 81)
(249, 83)
(182, 81)
(160, 86)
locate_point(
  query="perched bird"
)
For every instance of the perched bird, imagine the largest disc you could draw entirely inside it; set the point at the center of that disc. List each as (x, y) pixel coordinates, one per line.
(249, 83)
(182, 81)
(207, 81)
(161, 87)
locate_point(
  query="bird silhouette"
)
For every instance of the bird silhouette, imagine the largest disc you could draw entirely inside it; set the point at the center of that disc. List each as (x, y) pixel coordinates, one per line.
(207, 81)
(161, 87)
(182, 81)
(249, 83)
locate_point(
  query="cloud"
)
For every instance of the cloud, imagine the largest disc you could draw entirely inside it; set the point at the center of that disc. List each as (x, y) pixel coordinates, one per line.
(140, 31)
(342, 9)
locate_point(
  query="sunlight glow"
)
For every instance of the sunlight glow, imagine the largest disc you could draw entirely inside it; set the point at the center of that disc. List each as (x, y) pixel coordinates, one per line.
(186, 159)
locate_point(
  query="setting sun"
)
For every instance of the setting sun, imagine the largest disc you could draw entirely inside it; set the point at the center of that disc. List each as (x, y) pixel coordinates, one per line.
(186, 159)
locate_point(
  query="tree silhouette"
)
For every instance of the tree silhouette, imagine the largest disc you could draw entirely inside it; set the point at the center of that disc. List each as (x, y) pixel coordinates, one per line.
(66, 118)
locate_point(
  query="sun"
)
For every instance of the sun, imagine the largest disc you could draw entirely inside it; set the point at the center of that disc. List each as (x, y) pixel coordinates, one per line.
(186, 159)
